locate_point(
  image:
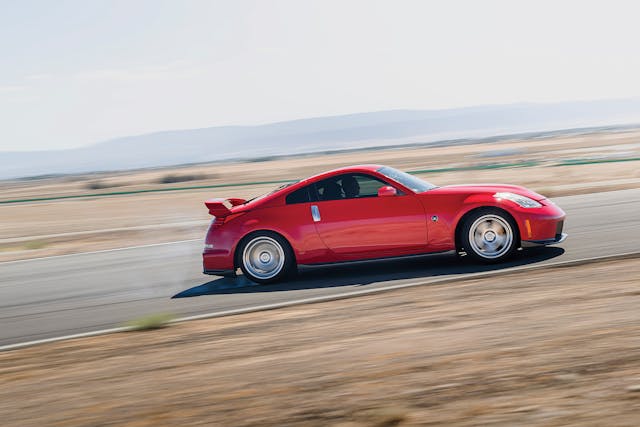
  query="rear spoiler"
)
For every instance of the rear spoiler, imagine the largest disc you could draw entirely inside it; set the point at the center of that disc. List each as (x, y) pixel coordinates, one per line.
(218, 207)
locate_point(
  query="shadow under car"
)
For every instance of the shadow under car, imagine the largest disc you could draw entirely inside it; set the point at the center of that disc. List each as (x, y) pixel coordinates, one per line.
(363, 273)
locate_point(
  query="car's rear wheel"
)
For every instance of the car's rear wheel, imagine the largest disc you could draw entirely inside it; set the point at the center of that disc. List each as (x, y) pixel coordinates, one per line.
(266, 257)
(489, 235)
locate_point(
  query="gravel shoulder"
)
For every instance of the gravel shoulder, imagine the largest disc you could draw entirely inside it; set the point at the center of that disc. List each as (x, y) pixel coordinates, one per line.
(551, 347)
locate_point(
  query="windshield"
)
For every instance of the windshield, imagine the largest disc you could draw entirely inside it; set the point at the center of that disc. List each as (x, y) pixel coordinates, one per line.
(415, 184)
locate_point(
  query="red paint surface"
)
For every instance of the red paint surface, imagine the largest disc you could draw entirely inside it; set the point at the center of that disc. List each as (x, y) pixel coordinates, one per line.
(366, 228)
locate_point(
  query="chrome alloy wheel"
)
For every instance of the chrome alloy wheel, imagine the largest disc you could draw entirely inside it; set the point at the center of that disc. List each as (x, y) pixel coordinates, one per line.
(263, 257)
(490, 236)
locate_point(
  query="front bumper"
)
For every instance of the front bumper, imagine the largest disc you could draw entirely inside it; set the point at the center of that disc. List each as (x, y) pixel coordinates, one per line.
(541, 226)
(559, 238)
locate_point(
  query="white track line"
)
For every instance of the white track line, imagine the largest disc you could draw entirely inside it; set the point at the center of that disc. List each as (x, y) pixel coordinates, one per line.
(351, 294)
(105, 230)
(102, 251)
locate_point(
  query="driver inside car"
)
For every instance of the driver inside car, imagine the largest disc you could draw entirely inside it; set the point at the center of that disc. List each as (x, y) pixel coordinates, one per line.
(350, 187)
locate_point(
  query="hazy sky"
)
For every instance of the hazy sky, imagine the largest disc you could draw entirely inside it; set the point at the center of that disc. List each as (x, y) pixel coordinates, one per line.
(77, 72)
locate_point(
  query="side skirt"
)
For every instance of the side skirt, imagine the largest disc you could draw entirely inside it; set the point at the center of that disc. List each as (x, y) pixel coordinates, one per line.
(380, 258)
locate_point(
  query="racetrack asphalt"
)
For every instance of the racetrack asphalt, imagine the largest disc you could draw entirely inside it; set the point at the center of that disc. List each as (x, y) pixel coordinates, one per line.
(50, 297)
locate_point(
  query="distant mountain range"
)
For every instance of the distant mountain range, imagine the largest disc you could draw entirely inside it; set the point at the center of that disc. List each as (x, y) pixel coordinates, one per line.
(374, 129)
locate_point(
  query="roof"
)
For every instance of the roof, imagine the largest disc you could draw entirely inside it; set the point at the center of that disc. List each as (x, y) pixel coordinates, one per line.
(345, 169)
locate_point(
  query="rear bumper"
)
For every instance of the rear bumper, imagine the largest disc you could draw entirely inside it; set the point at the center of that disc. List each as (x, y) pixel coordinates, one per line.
(218, 262)
(559, 238)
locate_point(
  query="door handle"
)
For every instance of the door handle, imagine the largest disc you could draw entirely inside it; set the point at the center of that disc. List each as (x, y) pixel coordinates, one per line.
(315, 213)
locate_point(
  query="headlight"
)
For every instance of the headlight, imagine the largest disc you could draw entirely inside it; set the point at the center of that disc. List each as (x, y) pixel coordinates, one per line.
(523, 201)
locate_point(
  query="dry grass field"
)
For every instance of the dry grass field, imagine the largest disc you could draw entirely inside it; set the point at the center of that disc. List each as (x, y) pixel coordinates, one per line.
(55, 227)
(556, 347)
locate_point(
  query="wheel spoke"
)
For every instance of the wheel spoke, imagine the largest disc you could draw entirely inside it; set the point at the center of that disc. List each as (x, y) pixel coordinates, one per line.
(483, 227)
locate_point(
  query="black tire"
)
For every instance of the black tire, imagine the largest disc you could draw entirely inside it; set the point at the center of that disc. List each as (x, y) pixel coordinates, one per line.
(489, 235)
(265, 257)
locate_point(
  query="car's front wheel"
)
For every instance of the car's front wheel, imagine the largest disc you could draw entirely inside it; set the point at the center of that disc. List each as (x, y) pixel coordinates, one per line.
(266, 257)
(489, 235)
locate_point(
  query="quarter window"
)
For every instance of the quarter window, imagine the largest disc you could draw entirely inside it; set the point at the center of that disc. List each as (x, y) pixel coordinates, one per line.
(301, 195)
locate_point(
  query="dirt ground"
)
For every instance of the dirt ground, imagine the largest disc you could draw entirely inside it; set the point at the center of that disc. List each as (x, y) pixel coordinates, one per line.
(555, 347)
(30, 230)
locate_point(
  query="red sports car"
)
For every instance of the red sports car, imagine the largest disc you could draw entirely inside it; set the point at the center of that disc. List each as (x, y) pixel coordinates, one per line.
(372, 211)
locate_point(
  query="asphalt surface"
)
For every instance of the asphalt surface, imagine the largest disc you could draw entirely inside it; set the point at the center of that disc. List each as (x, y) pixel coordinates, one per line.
(65, 295)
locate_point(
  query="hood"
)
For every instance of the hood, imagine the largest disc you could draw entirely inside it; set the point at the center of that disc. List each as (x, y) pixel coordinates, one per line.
(470, 189)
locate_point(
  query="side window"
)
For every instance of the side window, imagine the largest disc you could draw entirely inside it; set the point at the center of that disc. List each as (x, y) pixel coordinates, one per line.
(349, 186)
(368, 185)
(301, 195)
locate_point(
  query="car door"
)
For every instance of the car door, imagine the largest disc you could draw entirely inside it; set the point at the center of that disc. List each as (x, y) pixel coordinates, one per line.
(366, 225)
(297, 220)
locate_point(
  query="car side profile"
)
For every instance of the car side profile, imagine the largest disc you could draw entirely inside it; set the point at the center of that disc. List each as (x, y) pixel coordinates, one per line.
(369, 212)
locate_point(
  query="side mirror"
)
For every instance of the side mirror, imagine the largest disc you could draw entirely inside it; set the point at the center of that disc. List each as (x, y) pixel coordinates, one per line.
(387, 191)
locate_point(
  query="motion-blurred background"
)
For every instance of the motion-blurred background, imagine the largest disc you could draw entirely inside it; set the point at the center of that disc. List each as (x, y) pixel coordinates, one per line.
(119, 118)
